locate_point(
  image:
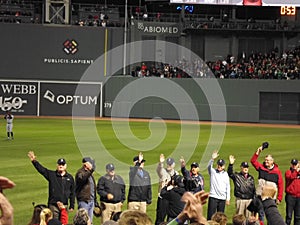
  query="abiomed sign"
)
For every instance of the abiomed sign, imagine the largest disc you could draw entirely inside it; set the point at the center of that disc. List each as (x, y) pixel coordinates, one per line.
(157, 28)
(50, 98)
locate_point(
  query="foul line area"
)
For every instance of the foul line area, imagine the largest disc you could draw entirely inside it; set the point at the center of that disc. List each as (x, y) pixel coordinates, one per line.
(239, 124)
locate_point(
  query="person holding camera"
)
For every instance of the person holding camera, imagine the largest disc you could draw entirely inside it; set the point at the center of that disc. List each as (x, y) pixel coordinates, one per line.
(244, 186)
(292, 190)
(193, 180)
(268, 174)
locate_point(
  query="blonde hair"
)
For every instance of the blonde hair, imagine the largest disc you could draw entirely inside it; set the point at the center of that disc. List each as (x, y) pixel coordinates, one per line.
(81, 217)
(46, 215)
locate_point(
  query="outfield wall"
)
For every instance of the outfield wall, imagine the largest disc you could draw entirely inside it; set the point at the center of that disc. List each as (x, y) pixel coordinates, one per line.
(244, 100)
(33, 53)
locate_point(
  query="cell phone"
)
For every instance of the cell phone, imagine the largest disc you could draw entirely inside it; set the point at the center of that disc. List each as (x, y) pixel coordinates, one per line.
(265, 145)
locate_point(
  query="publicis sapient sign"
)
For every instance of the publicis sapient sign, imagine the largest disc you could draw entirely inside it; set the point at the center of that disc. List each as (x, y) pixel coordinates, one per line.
(158, 29)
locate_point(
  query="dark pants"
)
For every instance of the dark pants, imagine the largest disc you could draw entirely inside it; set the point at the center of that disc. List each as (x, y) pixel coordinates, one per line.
(161, 210)
(292, 206)
(215, 205)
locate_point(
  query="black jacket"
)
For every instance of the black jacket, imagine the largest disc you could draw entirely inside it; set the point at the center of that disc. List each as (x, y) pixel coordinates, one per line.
(272, 214)
(115, 186)
(61, 188)
(140, 187)
(174, 200)
(83, 186)
(244, 188)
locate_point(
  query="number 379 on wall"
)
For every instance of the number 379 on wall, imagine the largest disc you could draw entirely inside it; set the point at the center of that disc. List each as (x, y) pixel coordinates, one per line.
(288, 10)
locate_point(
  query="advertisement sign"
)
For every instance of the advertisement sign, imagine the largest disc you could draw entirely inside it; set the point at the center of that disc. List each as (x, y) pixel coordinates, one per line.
(51, 98)
(19, 97)
(58, 99)
(170, 29)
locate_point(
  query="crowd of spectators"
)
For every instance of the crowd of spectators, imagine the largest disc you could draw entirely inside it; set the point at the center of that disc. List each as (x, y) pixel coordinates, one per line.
(257, 65)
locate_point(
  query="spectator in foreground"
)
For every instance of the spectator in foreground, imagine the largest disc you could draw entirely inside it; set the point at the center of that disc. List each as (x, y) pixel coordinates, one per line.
(35, 219)
(81, 217)
(134, 217)
(193, 209)
(7, 211)
(270, 207)
(220, 218)
(240, 219)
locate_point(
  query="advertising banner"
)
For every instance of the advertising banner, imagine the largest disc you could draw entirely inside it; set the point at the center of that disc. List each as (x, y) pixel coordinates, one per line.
(49, 98)
(21, 98)
(70, 99)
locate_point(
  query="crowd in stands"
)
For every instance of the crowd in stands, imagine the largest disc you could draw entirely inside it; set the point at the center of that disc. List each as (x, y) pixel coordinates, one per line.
(257, 65)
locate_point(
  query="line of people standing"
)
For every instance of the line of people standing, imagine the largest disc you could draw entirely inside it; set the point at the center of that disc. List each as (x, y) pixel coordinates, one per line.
(63, 188)
(111, 187)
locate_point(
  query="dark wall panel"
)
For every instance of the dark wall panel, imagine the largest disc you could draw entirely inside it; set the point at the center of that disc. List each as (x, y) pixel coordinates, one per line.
(51, 52)
(243, 103)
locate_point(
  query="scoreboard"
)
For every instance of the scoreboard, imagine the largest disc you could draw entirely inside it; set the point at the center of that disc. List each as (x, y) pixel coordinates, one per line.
(294, 3)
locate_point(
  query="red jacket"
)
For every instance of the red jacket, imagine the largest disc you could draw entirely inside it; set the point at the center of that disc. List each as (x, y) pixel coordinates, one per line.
(272, 175)
(292, 182)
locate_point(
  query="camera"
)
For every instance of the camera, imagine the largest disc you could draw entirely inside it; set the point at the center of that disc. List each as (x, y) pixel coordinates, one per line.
(265, 145)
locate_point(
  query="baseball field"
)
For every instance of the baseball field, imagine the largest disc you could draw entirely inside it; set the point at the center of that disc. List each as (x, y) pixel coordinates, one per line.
(53, 138)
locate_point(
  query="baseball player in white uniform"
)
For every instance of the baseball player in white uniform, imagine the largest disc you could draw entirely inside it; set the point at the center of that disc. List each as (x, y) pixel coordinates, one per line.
(9, 124)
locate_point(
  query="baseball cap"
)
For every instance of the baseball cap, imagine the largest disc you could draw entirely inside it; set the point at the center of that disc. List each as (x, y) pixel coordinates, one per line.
(294, 161)
(170, 161)
(136, 158)
(110, 167)
(61, 161)
(221, 162)
(194, 164)
(88, 159)
(244, 164)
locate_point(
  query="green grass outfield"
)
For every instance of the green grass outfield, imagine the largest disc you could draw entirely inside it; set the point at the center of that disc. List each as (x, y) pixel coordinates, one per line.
(54, 138)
